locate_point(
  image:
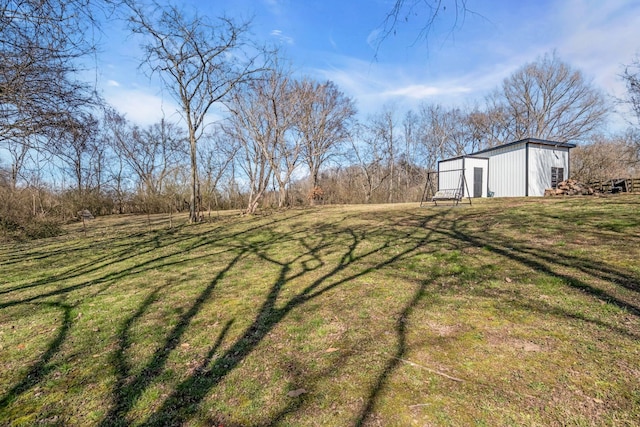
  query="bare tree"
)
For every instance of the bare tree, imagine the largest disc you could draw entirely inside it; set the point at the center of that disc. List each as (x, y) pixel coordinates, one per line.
(98, 157)
(324, 116)
(40, 50)
(383, 133)
(284, 151)
(370, 153)
(412, 154)
(631, 78)
(631, 141)
(46, 48)
(604, 157)
(115, 128)
(72, 147)
(444, 133)
(199, 60)
(18, 154)
(216, 157)
(42, 44)
(252, 135)
(486, 128)
(152, 153)
(548, 99)
(417, 137)
(262, 120)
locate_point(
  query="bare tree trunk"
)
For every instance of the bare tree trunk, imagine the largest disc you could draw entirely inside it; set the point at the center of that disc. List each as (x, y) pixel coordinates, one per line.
(193, 205)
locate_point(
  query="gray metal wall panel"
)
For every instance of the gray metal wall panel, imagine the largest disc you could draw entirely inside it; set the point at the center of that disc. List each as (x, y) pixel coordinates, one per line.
(449, 176)
(508, 171)
(469, 164)
(541, 159)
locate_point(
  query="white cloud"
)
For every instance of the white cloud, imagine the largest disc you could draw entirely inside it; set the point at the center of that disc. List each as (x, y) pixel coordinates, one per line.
(421, 91)
(275, 6)
(599, 37)
(143, 108)
(373, 38)
(140, 107)
(278, 34)
(373, 84)
(332, 42)
(113, 83)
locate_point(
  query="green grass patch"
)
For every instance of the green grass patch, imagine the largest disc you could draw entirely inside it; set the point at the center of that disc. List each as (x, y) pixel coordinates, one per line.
(507, 312)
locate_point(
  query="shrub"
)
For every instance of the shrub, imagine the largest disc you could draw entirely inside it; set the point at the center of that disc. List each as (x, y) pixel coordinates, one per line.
(42, 228)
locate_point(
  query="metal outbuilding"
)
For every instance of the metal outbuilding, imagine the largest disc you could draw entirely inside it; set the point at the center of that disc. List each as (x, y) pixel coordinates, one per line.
(522, 168)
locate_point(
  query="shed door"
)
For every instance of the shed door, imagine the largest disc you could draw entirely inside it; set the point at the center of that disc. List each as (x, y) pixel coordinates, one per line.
(477, 182)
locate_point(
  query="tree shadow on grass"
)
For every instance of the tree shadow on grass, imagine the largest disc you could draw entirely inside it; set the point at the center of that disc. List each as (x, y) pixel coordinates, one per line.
(147, 246)
(556, 265)
(42, 367)
(356, 260)
(88, 266)
(39, 370)
(129, 389)
(400, 329)
(545, 261)
(185, 399)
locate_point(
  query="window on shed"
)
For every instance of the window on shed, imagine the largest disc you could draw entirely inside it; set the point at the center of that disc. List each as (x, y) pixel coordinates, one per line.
(557, 176)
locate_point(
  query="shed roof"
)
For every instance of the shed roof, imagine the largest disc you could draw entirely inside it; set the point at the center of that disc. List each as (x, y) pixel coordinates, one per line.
(464, 156)
(528, 140)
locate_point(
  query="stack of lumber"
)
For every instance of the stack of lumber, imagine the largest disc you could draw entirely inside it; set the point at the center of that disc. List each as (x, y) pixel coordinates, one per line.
(569, 187)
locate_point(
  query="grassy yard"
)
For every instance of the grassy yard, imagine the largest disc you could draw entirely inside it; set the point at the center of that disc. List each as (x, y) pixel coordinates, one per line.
(508, 312)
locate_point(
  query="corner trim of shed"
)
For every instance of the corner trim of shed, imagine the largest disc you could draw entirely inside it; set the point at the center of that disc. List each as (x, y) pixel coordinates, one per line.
(526, 169)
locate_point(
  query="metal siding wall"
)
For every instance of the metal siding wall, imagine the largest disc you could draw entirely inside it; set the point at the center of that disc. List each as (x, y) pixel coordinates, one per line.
(471, 163)
(449, 176)
(508, 171)
(541, 159)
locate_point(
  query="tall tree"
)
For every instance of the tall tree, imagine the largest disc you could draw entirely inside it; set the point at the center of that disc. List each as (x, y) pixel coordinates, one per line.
(631, 78)
(383, 129)
(252, 133)
(73, 147)
(605, 157)
(216, 158)
(417, 139)
(324, 116)
(262, 119)
(115, 128)
(442, 132)
(18, 151)
(486, 128)
(549, 99)
(200, 61)
(370, 154)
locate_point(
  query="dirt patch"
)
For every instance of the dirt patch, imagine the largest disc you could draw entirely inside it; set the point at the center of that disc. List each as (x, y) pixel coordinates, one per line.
(444, 330)
(527, 346)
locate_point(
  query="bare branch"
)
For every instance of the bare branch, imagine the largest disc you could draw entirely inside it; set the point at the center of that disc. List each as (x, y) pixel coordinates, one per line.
(428, 12)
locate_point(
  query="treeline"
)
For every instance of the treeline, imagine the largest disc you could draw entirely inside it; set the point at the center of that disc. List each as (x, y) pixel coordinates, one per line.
(283, 140)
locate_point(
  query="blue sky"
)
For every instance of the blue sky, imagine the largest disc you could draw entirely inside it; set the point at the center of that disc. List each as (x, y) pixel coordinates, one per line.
(332, 39)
